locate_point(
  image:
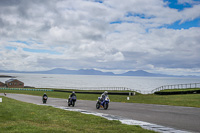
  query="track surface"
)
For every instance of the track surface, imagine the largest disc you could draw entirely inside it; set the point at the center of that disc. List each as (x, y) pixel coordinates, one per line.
(182, 118)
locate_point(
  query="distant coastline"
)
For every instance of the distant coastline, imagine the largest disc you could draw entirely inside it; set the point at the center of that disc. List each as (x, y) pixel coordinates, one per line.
(6, 76)
(96, 72)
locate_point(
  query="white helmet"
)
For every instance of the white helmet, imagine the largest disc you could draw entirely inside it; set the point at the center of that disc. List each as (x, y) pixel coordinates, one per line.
(105, 92)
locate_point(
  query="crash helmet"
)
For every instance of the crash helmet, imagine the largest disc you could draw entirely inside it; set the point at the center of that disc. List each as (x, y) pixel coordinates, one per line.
(73, 92)
(105, 92)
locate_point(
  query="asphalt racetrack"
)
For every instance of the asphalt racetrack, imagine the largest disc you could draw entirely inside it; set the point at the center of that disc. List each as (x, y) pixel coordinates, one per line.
(177, 117)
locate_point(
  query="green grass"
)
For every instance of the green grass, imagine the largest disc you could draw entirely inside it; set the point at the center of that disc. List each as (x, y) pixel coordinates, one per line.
(177, 90)
(188, 100)
(16, 116)
(93, 90)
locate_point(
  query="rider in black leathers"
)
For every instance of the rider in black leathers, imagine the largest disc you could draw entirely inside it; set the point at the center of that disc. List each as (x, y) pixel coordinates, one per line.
(72, 99)
(45, 95)
(73, 94)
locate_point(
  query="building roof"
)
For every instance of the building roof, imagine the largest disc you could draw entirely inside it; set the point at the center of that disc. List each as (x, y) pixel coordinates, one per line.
(10, 80)
(1, 82)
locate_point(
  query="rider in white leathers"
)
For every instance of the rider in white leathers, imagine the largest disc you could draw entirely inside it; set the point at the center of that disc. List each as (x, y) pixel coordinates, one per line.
(104, 95)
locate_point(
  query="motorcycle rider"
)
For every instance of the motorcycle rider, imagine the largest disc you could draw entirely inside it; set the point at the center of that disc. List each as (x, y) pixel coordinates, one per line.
(104, 95)
(103, 101)
(73, 94)
(72, 99)
(45, 95)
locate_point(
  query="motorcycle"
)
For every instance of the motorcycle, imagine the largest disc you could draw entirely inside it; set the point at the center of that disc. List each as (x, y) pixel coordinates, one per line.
(71, 101)
(44, 99)
(103, 104)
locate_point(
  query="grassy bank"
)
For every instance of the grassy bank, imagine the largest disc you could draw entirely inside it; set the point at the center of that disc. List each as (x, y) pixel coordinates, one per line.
(178, 90)
(23, 117)
(190, 100)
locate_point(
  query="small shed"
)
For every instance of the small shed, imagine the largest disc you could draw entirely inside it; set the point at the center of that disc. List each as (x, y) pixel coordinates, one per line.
(14, 83)
(2, 84)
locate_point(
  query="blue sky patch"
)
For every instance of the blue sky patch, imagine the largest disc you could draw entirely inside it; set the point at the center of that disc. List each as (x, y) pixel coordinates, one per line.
(116, 22)
(129, 14)
(179, 6)
(185, 25)
(24, 42)
(41, 51)
(120, 22)
(140, 15)
(99, 1)
(11, 48)
(30, 41)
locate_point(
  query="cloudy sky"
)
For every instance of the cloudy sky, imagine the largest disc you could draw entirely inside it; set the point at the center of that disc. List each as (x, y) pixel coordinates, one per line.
(160, 36)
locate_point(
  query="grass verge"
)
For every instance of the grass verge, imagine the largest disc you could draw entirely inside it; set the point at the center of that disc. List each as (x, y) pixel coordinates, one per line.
(16, 116)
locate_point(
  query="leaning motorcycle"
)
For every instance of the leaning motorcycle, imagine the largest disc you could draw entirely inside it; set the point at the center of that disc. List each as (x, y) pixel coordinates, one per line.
(71, 101)
(102, 103)
(44, 99)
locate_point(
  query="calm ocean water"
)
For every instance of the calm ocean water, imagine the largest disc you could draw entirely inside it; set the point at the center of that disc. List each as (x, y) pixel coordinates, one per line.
(144, 84)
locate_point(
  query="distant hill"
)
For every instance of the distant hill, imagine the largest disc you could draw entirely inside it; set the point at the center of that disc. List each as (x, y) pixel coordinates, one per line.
(77, 72)
(63, 71)
(94, 72)
(58, 71)
(143, 73)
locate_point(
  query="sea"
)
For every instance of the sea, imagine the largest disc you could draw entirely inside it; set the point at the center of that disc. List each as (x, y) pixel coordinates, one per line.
(62, 81)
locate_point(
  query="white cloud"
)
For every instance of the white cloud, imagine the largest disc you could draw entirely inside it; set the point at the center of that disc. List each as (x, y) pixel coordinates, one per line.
(190, 13)
(80, 31)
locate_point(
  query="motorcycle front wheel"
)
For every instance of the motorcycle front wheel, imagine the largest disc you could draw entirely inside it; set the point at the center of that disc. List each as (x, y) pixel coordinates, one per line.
(44, 101)
(97, 105)
(73, 103)
(105, 106)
